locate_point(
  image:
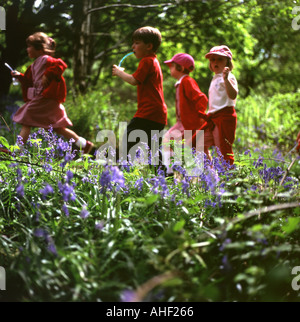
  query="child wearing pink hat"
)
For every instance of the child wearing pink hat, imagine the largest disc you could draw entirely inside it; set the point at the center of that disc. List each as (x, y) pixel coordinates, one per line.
(221, 118)
(190, 101)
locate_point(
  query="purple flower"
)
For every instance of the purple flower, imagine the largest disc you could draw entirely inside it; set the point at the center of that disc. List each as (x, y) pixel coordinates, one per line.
(42, 233)
(70, 175)
(139, 184)
(20, 190)
(247, 152)
(65, 209)
(52, 249)
(47, 167)
(112, 177)
(99, 225)
(84, 212)
(128, 296)
(67, 191)
(46, 190)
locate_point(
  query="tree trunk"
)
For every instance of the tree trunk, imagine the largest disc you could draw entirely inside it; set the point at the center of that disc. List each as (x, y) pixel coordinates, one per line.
(13, 53)
(83, 60)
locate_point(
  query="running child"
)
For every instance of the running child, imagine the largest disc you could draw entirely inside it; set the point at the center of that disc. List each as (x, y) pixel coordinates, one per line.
(151, 114)
(44, 89)
(190, 101)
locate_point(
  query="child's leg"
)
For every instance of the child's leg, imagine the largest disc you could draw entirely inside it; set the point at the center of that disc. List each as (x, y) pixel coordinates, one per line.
(80, 142)
(67, 133)
(24, 133)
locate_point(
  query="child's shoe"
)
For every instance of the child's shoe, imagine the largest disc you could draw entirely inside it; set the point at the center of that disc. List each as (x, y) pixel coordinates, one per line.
(88, 147)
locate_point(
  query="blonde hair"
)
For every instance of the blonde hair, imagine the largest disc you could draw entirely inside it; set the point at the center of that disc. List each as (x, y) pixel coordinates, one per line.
(41, 41)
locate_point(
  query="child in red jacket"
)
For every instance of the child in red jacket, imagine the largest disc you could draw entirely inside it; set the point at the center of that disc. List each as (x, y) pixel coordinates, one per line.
(190, 102)
(44, 89)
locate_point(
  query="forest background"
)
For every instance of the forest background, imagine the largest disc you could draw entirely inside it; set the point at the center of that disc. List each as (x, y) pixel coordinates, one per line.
(76, 230)
(92, 35)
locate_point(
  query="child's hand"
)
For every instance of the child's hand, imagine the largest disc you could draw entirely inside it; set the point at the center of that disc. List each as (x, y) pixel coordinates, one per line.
(15, 73)
(45, 81)
(116, 70)
(226, 72)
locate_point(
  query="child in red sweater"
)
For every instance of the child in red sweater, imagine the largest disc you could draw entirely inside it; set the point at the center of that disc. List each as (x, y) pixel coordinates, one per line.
(44, 89)
(190, 102)
(151, 115)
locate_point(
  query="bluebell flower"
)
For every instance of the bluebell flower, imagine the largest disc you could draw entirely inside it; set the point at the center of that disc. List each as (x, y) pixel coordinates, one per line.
(52, 249)
(112, 177)
(226, 242)
(42, 233)
(84, 212)
(259, 162)
(247, 152)
(128, 296)
(67, 191)
(69, 175)
(46, 190)
(20, 190)
(139, 184)
(99, 225)
(47, 167)
(65, 209)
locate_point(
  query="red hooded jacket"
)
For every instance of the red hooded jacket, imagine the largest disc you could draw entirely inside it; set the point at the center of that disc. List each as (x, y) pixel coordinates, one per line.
(192, 102)
(57, 88)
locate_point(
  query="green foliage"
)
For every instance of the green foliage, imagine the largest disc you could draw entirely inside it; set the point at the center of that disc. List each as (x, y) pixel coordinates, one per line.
(268, 120)
(72, 229)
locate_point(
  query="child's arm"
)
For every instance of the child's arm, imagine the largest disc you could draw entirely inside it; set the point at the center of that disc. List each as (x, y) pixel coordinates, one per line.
(230, 89)
(55, 67)
(118, 71)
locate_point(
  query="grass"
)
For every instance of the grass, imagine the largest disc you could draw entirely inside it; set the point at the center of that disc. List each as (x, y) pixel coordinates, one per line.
(74, 229)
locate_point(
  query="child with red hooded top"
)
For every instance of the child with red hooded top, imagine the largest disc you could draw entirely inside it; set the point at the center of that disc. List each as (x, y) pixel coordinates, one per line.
(190, 101)
(44, 89)
(221, 119)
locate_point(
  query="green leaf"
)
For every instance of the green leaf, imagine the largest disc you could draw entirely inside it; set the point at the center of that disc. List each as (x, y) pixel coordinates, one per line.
(292, 225)
(4, 142)
(179, 225)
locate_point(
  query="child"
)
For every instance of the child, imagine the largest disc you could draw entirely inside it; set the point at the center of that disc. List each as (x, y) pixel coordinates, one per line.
(44, 89)
(221, 120)
(190, 101)
(152, 111)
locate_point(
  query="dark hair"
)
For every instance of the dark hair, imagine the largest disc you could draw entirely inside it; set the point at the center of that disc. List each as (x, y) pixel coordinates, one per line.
(148, 35)
(178, 67)
(40, 41)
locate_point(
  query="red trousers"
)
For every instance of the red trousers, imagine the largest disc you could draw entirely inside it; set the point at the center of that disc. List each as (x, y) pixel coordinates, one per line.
(219, 131)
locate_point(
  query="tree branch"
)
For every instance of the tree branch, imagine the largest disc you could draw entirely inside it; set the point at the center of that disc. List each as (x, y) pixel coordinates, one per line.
(127, 5)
